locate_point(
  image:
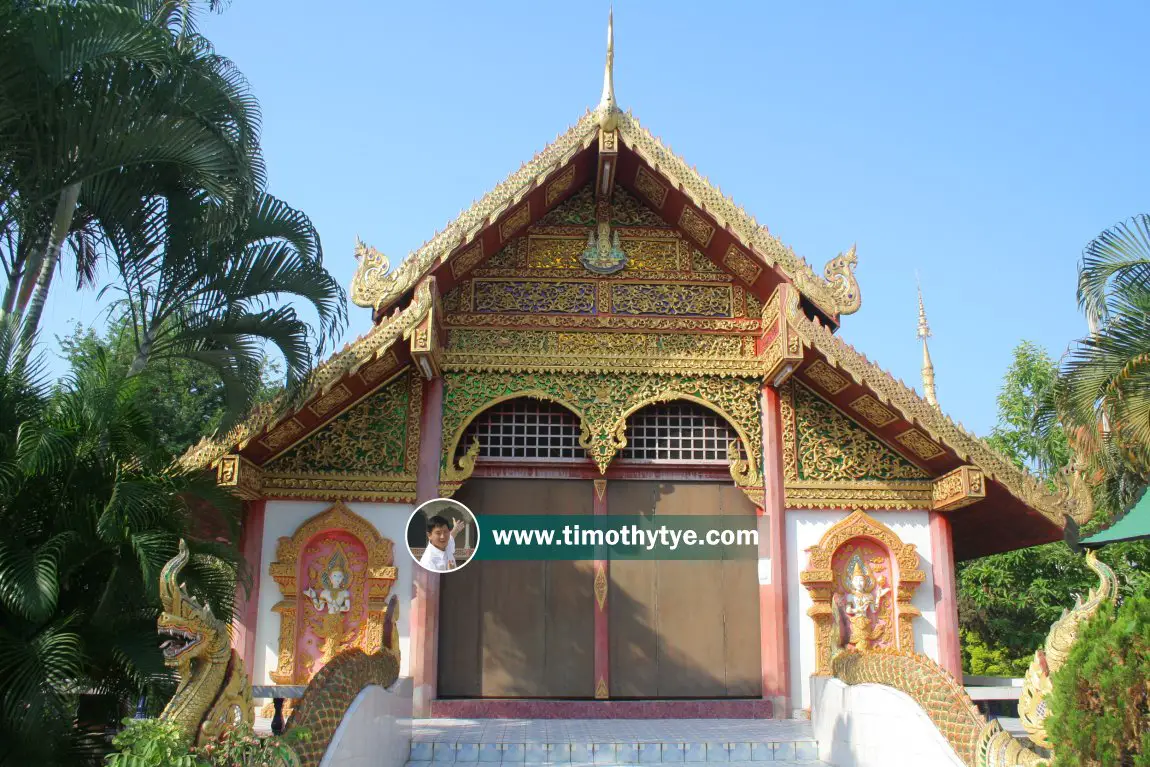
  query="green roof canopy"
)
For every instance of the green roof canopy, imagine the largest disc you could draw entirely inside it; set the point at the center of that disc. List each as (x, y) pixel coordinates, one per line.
(1132, 526)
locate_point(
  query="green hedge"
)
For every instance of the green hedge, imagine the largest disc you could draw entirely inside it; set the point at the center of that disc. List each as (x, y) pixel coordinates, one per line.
(1100, 706)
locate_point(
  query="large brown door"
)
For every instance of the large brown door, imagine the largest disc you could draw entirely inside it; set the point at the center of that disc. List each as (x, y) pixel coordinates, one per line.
(683, 629)
(519, 629)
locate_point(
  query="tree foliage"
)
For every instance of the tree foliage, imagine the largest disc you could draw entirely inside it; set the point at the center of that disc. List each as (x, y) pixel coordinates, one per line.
(92, 507)
(1007, 602)
(1100, 705)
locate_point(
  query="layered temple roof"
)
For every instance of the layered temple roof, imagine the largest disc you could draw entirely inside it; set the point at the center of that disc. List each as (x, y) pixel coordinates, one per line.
(609, 149)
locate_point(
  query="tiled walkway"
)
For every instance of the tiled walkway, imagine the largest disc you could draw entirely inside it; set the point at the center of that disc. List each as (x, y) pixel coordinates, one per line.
(587, 742)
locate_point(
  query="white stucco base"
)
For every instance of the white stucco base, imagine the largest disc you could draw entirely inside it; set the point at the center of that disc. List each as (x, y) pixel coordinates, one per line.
(281, 519)
(375, 731)
(871, 725)
(804, 529)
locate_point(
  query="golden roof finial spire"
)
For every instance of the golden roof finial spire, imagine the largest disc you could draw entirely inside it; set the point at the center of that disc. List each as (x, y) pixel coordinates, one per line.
(607, 107)
(927, 365)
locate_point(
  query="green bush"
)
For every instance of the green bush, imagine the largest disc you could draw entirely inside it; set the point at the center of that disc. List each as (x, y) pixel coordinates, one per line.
(1100, 706)
(151, 743)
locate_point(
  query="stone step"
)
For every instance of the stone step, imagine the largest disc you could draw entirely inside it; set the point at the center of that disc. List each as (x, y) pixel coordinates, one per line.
(430, 754)
(590, 742)
(774, 763)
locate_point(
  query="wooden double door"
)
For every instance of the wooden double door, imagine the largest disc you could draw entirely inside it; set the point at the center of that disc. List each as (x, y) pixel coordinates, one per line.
(676, 629)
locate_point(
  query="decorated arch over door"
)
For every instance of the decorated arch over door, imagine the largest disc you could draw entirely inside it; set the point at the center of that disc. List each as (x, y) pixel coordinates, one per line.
(861, 577)
(602, 403)
(335, 574)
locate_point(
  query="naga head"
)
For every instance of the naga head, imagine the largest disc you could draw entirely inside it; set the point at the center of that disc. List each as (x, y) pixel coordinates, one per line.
(191, 629)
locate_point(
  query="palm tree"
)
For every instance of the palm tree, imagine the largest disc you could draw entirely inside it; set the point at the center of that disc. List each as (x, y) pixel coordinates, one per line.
(1103, 392)
(90, 510)
(104, 107)
(198, 291)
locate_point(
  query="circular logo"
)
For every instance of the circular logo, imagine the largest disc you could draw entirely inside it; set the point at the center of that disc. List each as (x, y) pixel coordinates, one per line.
(442, 535)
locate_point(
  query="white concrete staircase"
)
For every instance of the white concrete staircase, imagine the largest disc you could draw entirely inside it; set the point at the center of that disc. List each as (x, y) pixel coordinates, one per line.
(605, 742)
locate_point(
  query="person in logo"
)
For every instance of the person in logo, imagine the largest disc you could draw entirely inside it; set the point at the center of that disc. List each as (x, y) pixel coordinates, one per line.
(440, 552)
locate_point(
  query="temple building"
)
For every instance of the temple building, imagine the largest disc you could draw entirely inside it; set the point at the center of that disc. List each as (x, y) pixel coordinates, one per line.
(605, 333)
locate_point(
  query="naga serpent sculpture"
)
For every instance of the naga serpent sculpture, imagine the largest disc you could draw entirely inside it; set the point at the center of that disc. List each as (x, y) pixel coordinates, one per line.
(213, 692)
(977, 741)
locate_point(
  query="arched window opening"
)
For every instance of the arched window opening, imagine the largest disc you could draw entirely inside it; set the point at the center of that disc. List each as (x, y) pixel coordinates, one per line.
(525, 429)
(678, 432)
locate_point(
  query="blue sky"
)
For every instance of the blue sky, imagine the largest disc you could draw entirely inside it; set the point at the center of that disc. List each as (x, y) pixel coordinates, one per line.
(980, 144)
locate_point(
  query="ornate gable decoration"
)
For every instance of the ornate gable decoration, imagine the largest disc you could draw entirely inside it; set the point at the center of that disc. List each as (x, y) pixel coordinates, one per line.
(832, 462)
(370, 451)
(835, 292)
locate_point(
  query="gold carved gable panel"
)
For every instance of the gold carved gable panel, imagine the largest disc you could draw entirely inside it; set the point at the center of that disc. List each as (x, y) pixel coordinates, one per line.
(579, 210)
(377, 436)
(831, 446)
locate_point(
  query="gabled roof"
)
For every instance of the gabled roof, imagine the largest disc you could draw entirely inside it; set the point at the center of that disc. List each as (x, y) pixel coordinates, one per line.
(835, 293)
(402, 299)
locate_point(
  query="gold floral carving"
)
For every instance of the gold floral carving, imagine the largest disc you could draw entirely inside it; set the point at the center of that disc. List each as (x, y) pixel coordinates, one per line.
(961, 487)
(371, 450)
(825, 377)
(693, 223)
(530, 296)
(831, 462)
(742, 265)
(819, 580)
(646, 254)
(376, 371)
(601, 585)
(600, 488)
(555, 252)
(670, 299)
(283, 435)
(603, 322)
(516, 221)
(919, 444)
(745, 474)
(560, 185)
(701, 262)
(330, 401)
(466, 260)
(840, 277)
(1055, 507)
(873, 411)
(285, 570)
(601, 692)
(370, 357)
(602, 403)
(651, 187)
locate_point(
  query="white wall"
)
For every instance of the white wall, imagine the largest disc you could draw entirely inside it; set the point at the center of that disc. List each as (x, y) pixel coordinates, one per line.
(281, 519)
(375, 731)
(872, 725)
(804, 529)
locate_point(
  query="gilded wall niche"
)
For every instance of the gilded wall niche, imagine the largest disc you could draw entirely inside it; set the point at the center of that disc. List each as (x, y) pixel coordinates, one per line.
(334, 573)
(861, 578)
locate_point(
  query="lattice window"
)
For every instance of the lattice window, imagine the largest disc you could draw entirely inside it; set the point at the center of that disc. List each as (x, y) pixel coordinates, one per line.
(678, 431)
(526, 429)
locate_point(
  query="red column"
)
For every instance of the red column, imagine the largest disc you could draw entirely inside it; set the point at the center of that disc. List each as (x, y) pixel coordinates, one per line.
(945, 594)
(247, 605)
(772, 548)
(423, 644)
(602, 580)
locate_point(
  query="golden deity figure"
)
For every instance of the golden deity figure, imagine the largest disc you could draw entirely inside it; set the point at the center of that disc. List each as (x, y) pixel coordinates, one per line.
(860, 605)
(332, 602)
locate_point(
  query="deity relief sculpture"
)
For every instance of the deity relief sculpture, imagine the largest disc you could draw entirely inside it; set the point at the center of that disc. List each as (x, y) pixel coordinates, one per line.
(859, 608)
(334, 624)
(335, 574)
(861, 578)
